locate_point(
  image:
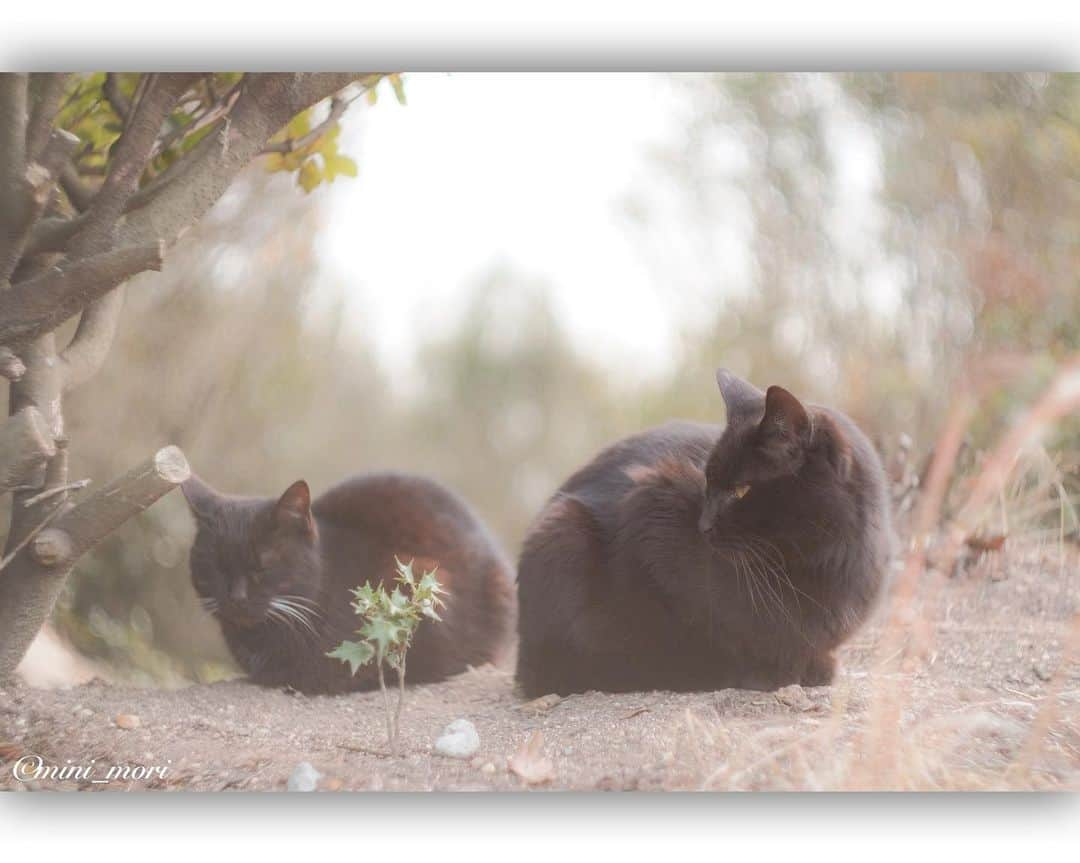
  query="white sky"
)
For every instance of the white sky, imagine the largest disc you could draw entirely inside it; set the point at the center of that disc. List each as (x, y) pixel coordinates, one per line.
(526, 170)
(533, 172)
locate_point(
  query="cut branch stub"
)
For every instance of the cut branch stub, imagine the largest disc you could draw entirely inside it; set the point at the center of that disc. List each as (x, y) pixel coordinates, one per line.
(11, 367)
(102, 512)
(35, 575)
(25, 446)
(52, 547)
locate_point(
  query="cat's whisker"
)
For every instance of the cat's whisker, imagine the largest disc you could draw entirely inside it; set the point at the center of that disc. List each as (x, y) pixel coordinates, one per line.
(298, 613)
(303, 602)
(293, 612)
(288, 622)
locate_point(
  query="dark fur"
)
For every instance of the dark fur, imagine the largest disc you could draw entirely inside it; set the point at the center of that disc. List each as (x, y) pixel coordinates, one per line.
(647, 571)
(248, 550)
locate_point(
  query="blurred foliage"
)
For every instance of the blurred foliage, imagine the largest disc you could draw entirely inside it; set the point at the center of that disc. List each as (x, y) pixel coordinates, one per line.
(968, 251)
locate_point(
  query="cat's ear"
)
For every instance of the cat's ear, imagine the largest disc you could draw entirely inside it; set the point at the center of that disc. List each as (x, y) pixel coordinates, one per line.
(741, 398)
(785, 417)
(202, 499)
(293, 509)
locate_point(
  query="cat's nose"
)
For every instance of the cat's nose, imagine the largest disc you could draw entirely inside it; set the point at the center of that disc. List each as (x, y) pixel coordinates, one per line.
(705, 523)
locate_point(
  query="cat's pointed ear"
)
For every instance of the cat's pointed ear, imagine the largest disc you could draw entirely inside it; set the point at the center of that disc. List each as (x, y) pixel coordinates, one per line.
(202, 499)
(293, 509)
(785, 416)
(741, 398)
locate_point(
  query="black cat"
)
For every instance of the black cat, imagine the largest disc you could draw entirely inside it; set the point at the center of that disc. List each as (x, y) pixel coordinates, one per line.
(277, 573)
(694, 556)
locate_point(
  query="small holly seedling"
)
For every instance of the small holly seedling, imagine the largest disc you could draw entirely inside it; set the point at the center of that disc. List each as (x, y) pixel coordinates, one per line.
(389, 622)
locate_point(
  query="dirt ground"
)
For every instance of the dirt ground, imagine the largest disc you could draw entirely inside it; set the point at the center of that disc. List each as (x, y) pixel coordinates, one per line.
(983, 698)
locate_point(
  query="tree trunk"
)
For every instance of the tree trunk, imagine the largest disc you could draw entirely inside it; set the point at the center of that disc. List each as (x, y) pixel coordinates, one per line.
(55, 266)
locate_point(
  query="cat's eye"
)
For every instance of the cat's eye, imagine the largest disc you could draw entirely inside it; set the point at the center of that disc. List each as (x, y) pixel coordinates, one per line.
(741, 490)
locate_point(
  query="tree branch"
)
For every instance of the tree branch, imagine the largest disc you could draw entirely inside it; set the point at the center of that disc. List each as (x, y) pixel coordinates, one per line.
(38, 182)
(50, 234)
(128, 161)
(32, 581)
(88, 348)
(46, 91)
(12, 135)
(117, 100)
(41, 304)
(79, 193)
(265, 104)
(13, 201)
(90, 345)
(25, 445)
(126, 496)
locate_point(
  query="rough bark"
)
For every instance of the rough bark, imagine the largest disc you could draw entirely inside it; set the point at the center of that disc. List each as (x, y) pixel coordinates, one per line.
(25, 446)
(31, 582)
(41, 304)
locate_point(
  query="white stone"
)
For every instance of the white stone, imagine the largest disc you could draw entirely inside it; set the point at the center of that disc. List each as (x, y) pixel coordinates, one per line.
(458, 740)
(304, 778)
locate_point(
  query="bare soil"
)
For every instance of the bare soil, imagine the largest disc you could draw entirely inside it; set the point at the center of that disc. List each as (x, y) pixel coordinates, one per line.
(981, 696)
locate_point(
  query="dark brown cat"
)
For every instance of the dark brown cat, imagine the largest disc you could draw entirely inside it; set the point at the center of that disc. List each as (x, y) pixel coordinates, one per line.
(277, 574)
(694, 556)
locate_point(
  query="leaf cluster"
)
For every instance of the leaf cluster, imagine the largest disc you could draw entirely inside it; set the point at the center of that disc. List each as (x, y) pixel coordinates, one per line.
(390, 619)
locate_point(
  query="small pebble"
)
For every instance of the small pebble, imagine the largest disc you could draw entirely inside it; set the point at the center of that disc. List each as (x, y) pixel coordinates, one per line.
(488, 768)
(794, 696)
(127, 721)
(544, 702)
(84, 712)
(304, 778)
(458, 740)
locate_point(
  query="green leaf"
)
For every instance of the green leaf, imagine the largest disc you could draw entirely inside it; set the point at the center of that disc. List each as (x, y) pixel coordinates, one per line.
(335, 165)
(405, 571)
(383, 633)
(356, 653)
(310, 175)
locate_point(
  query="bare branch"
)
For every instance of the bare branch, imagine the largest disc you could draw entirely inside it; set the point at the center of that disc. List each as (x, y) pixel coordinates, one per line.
(37, 188)
(41, 304)
(32, 581)
(13, 200)
(51, 235)
(46, 91)
(25, 445)
(57, 150)
(12, 135)
(79, 193)
(116, 99)
(88, 348)
(77, 485)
